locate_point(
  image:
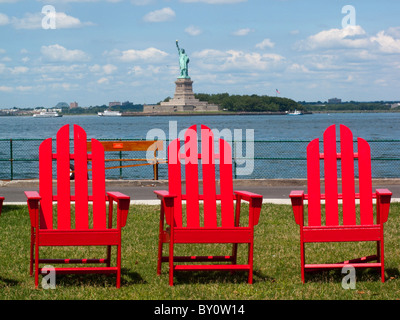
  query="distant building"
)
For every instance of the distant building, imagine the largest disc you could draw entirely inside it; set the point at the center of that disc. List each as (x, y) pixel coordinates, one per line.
(73, 105)
(395, 105)
(335, 100)
(113, 104)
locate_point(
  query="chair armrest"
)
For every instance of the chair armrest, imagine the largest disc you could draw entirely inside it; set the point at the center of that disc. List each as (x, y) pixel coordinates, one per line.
(163, 194)
(383, 197)
(255, 203)
(32, 195)
(297, 198)
(167, 204)
(123, 202)
(33, 199)
(246, 195)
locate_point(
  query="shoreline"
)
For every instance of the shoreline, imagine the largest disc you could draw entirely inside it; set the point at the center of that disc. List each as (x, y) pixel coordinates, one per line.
(142, 114)
(244, 113)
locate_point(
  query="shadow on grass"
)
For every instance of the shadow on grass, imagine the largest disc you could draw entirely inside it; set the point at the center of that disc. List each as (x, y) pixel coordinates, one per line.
(362, 275)
(207, 277)
(98, 280)
(4, 282)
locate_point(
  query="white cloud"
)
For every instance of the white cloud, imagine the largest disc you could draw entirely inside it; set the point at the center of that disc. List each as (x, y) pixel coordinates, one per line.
(349, 37)
(214, 1)
(193, 30)
(106, 69)
(162, 15)
(103, 81)
(232, 60)
(141, 2)
(354, 37)
(67, 1)
(4, 19)
(56, 52)
(24, 88)
(295, 67)
(64, 21)
(6, 89)
(149, 54)
(18, 70)
(266, 43)
(142, 72)
(34, 21)
(242, 32)
(386, 43)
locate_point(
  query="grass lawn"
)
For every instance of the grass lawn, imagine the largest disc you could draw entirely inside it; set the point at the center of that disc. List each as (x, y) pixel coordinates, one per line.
(276, 264)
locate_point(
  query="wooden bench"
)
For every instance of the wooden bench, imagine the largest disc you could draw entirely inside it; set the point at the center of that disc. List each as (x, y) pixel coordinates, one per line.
(145, 145)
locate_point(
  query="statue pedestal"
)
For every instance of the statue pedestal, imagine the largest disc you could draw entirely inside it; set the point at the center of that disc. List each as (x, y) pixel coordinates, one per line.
(183, 100)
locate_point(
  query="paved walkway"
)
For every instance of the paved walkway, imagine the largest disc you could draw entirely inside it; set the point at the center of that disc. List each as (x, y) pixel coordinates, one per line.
(141, 191)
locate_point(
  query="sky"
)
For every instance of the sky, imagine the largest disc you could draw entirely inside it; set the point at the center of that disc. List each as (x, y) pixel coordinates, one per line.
(98, 51)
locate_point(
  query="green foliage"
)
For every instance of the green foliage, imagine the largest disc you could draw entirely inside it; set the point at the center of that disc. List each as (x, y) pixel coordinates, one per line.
(250, 103)
(347, 106)
(94, 110)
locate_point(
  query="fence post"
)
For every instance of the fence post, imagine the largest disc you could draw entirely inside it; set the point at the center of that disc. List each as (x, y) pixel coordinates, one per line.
(11, 161)
(120, 163)
(234, 160)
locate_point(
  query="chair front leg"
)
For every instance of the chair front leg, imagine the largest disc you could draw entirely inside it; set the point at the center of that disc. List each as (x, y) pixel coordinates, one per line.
(160, 240)
(302, 261)
(31, 251)
(171, 257)
(382, 260)
(250, 262)
(118, 266)
(37, 261)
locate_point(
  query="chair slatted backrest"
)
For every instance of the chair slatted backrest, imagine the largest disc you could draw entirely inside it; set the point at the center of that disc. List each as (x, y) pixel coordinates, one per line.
(190, 158)
(64, 197)
(347, 156)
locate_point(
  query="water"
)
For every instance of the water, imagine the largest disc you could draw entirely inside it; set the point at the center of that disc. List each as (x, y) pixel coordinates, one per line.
(370, 126)
(273, 160)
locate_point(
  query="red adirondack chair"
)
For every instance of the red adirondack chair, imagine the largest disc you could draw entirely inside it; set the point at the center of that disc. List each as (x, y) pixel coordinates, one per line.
(74, 229)
(195, 229)
(347, 226)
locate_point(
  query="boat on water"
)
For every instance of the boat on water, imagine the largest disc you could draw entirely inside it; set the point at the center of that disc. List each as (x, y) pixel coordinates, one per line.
(47, 114)
(295, 113)
(109, 113)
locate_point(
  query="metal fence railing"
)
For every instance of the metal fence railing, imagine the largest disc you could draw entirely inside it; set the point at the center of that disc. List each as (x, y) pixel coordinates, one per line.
(251, 160)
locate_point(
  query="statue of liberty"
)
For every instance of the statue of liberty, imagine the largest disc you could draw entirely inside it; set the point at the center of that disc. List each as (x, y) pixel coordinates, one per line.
(183, 63)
